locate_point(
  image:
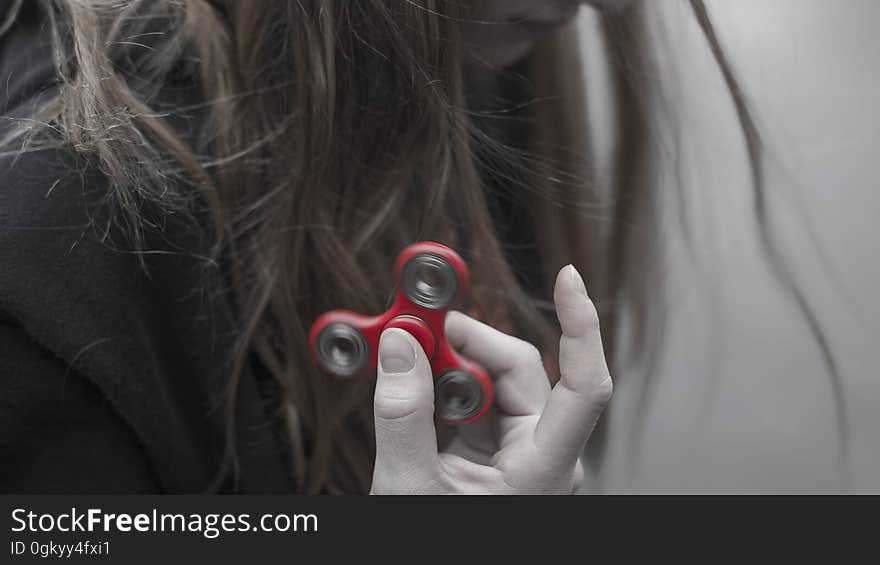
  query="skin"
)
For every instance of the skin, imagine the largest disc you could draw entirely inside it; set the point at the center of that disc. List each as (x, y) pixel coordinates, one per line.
(501, 32)
(531, 439)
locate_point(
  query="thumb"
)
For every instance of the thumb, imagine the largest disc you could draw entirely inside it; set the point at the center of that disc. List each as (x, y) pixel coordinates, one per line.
(406, 442)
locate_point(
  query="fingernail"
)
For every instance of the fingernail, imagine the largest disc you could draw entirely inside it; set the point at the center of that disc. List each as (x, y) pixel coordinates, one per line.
(396, 353)
(577, 281)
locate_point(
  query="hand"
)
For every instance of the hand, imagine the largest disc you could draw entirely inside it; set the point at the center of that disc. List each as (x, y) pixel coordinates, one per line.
(531, 439)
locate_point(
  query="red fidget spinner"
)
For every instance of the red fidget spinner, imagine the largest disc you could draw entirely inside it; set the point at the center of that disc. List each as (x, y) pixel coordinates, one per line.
(429, 277)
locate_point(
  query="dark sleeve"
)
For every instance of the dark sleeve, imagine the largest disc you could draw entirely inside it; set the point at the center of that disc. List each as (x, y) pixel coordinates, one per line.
(58, 433)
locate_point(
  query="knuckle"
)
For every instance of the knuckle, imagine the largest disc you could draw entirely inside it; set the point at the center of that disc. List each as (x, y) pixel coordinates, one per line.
(397, 409)
(530, 356)
(604, 390)
(592, 317)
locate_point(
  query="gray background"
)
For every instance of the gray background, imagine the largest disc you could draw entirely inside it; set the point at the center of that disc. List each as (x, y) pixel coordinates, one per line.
(742, 401)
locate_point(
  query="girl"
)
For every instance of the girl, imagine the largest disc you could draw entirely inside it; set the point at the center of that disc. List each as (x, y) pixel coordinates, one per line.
(187, 185)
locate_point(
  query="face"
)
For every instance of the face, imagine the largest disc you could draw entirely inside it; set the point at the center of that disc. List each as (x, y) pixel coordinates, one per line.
(501, 32)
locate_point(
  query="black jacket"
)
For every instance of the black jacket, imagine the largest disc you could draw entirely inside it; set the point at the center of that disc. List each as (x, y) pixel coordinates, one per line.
(112, 376)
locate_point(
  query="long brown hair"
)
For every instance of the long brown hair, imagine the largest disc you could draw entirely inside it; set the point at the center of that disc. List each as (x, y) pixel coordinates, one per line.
(334, 133)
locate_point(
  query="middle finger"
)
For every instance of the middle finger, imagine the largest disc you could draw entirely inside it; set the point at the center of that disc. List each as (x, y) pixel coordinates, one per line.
(521, 384)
